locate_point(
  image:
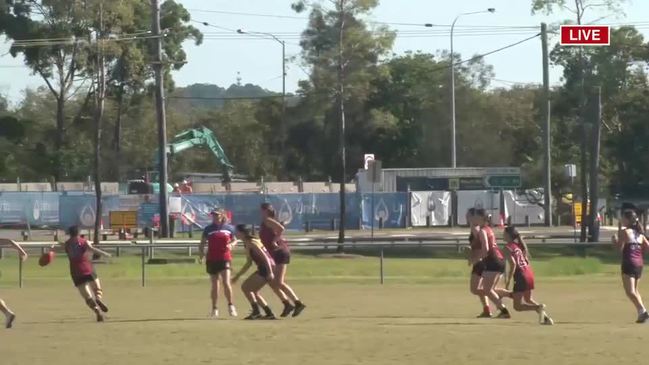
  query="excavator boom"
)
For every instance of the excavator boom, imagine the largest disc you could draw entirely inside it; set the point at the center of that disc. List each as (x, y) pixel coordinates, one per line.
(201, 137)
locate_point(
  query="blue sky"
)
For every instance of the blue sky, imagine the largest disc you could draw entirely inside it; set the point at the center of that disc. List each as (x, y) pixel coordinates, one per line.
(220, 61)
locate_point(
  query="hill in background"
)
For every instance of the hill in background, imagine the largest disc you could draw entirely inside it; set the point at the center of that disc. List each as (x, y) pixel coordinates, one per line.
(209, 96)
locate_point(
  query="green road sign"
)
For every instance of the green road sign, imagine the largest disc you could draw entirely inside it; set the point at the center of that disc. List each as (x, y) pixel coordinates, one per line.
(503, 181)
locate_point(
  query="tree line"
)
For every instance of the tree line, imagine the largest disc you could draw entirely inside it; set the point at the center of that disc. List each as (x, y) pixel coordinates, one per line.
(396, 106)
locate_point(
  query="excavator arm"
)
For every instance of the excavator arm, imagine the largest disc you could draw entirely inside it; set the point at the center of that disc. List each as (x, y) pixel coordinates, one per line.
(198, 137)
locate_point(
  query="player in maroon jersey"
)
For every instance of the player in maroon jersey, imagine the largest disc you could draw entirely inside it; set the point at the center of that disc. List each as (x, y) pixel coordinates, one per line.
(521, 272)
(270, 233)
(631, 240)
(82, 271)
(492, 259)
(10, 316)
(477, 265)
(219, 238)
(255, 253)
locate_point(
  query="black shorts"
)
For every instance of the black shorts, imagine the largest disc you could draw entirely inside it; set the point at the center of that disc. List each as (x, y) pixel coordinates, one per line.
(632, 271)
(493, 264)
(79, 280)
(281, 256)
(215, 267)
(478, 268)
(263, 272)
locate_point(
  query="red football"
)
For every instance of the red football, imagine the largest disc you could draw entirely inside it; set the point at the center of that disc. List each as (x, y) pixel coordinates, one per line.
(46, 258)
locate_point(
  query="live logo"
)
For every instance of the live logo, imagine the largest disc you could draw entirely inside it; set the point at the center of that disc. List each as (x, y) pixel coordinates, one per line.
(585, 35)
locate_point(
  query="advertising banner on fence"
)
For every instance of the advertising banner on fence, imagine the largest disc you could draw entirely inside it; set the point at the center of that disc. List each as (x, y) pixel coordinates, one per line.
(38, 209)
(528, 203)
(488, 200)
(391, 208)
(80, 209)
(322, 208)
(292, 209)
(433, 204)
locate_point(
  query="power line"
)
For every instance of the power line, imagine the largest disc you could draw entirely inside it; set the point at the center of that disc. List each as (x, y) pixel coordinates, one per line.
(409, 24)
(477, 57)
(398, 32)
(215, 26)
(70, 41)
(226, 98)
(414, 36)
(295, 17)
(514, 82)
(500, 49)
(249, 14)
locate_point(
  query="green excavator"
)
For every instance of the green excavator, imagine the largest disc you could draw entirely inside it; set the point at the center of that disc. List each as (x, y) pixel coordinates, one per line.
(195, 137)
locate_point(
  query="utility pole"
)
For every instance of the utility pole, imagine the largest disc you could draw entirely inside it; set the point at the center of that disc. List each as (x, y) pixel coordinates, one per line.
(283, 127)
(547, 132)
(452, 64)
(453, 120)
(162, 120)
(100, 97)
(341, 137)
(583, 177)
(593, 228)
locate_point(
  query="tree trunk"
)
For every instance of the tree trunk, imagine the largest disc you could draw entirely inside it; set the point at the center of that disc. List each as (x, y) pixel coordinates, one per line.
(59, 139)
(97, 173)
(117, 135)
(593, 224)
(341, 136)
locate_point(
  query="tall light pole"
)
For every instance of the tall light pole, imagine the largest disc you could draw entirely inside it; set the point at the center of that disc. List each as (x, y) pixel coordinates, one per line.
(453, 132)
(161, 118)
(283, 44)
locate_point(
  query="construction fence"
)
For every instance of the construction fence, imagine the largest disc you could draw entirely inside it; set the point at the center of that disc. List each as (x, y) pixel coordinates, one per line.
(298, 211)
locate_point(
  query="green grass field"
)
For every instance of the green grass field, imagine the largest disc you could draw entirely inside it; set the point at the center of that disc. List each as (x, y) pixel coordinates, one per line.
(423, 315)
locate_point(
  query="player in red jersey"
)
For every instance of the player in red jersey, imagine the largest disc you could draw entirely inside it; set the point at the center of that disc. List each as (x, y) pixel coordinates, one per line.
(492, 259)
(219, 238)
(477, 266)
(521, 272)
(270, 233)
(10, 316)
(83, 273)
(631, 240)
(255, 253)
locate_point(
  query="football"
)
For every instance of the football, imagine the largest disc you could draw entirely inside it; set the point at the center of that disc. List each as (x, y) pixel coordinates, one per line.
(46, 258)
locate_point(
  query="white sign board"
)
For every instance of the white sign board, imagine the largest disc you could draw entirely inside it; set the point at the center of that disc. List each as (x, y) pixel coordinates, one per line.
(368, 157)
(570, 170)
(175, 204)
(485, 199)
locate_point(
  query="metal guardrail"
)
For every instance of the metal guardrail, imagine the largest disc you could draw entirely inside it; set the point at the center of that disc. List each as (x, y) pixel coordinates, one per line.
(147, 249)
(328, 240)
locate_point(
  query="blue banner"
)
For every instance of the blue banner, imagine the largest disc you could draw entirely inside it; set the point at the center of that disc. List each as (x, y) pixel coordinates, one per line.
(39, 209)
(80, 209)
(391, 208)
(147, 213)
(244, 207)
(295, 210)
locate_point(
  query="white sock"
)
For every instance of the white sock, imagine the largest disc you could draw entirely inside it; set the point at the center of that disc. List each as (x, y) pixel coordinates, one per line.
(641, 311)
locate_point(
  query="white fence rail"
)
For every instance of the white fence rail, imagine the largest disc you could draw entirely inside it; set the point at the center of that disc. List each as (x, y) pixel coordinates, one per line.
(147, 248)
